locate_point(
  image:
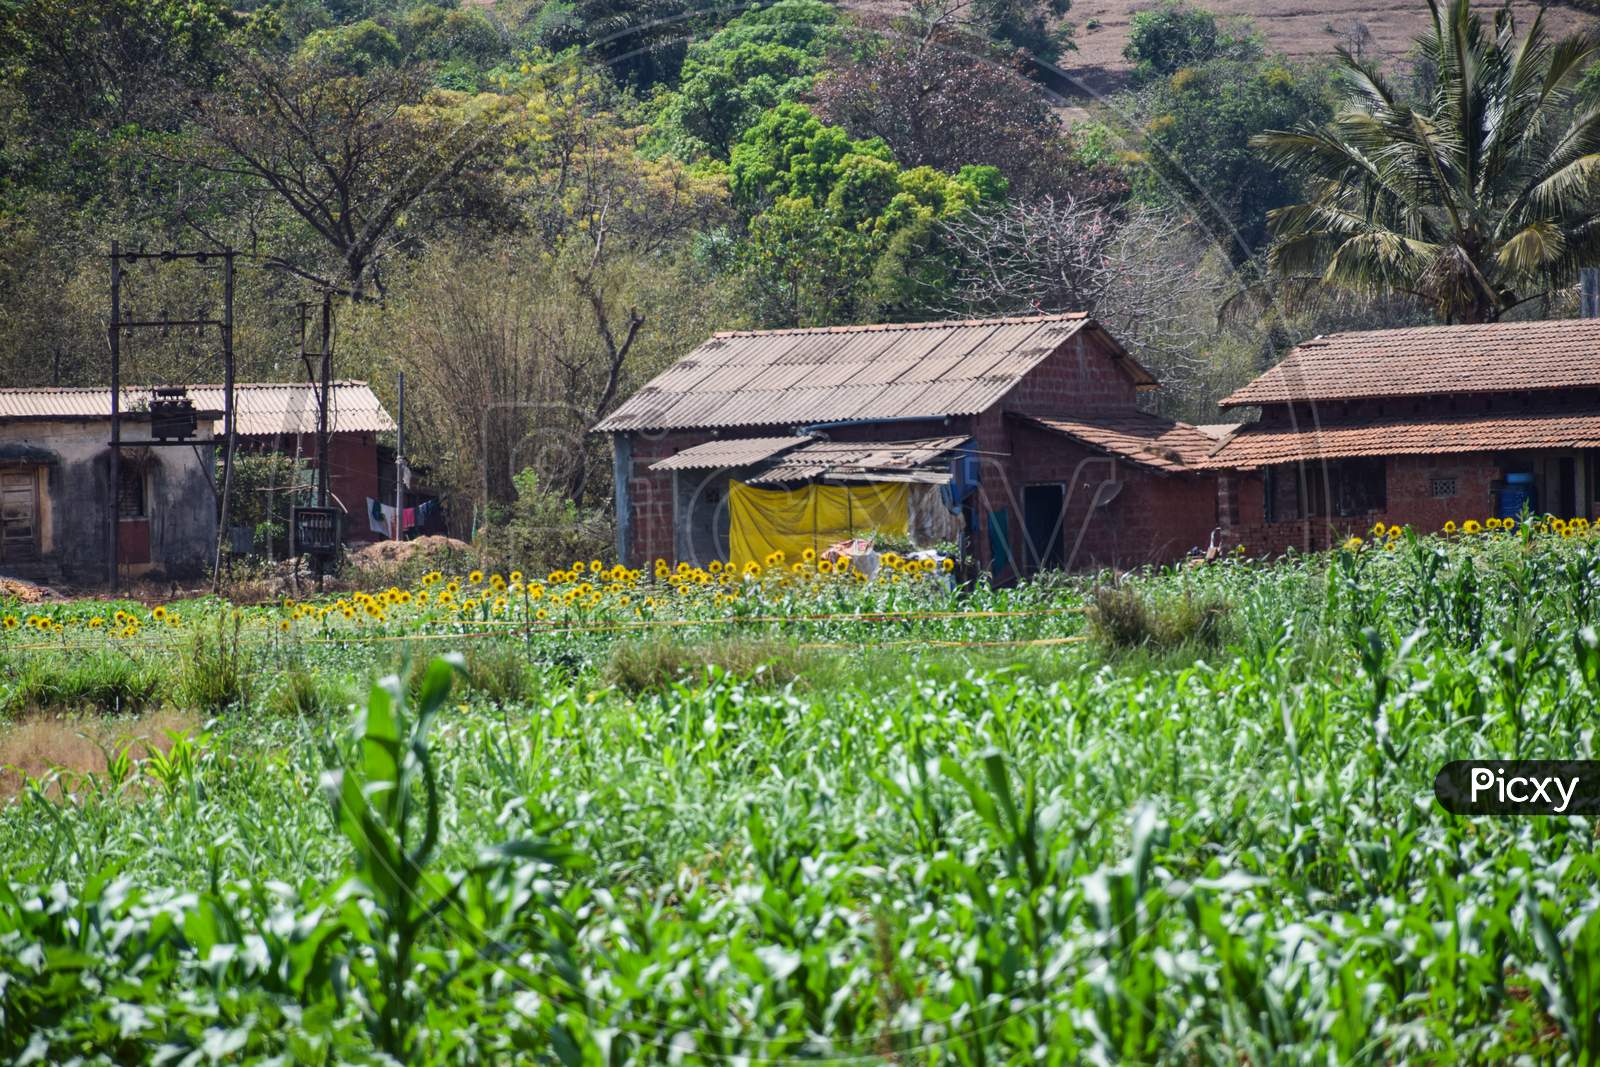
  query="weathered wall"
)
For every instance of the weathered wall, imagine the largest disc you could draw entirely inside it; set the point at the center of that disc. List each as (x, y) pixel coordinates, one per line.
(181, 508)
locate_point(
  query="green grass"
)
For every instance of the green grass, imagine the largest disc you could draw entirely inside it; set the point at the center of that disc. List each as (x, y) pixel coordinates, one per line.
(1192, 846)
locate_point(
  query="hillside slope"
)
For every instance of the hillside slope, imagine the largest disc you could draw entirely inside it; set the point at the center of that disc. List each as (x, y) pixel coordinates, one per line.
(1300, 29)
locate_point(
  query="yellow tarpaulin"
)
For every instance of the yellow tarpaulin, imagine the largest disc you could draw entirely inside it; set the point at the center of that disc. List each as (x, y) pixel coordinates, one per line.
(762, 521)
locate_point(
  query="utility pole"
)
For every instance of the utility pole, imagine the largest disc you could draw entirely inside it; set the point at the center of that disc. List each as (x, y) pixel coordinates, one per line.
(400, 466)
(120, 323)
(116, 416)
(229, 427)
(322, 403)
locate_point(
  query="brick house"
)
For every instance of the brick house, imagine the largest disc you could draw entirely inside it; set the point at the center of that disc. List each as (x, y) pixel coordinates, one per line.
(1414, 426)
(1030, 427)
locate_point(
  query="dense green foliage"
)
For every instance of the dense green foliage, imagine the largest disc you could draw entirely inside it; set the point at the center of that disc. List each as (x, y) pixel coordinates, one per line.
(1192, 853)
(1477, 198)
(1175, 35)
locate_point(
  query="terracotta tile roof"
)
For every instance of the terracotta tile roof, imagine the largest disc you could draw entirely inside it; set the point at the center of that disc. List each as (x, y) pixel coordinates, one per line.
(1417, 435)
(732, 452)
(851, 373)
(1148, 440)
(1492, 358)
(264, 409)
(1218, 430)
(865, 460)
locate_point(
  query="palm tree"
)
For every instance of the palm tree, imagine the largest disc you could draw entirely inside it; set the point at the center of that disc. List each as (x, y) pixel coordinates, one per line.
(1475, 199)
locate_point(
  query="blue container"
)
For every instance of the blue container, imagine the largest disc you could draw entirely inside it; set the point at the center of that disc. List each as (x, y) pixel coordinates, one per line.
(1519, 490)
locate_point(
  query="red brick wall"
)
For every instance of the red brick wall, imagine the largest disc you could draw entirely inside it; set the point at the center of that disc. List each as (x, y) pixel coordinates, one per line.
(352, 473)
(650, 494)
(1153, 518)
(1080, 378)
(1407, 502)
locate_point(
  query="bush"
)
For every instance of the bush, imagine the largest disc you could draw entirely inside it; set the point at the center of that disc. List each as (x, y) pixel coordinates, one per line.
(1176, 35)
(543, 530)
(218, 670)
(499, 672)
(303, 694)
(659, 662)
(1122, 617)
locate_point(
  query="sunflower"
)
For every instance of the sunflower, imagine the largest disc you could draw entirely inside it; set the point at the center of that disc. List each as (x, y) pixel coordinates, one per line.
(1353, 544)
(1470, 526)
(1450, 527)
(159, 614)
(10, 622)
(948, 564)
(284, 625)
(475, 577)
(1491, 524)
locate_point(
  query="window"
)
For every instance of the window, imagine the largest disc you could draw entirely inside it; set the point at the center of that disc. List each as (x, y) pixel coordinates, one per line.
(1439, 488)
(130, 491)
(1344, 488)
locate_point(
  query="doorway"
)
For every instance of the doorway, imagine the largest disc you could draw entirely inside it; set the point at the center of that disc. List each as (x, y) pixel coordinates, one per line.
(1043, 508)
(19, 516)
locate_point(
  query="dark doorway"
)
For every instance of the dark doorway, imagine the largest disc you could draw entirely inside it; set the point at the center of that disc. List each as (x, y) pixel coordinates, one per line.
(1042, 513)
(1567, 487)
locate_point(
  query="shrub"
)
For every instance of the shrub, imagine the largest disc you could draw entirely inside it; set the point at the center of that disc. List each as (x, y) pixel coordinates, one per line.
(544, 530)
(219, 669)
(659, 662)
(1122, 617)
(303, 694)
(499, 672)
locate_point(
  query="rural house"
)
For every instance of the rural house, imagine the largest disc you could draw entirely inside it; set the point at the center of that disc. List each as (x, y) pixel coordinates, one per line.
(1024, 432)
(55, 472)
(1415, 426)
(55, 467)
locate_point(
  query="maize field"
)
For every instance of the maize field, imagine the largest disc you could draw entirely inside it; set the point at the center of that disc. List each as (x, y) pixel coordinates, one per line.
(732, 816)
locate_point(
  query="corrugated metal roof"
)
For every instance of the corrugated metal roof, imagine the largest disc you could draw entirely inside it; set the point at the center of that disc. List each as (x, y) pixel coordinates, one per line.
(733, 452)
(861, 460)
(1253, 445)
(1431, 360)
(263, 409)
(832, 374)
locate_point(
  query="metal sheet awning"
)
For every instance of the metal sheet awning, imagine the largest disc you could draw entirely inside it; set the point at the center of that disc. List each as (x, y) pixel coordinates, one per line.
(734, 452)
(924, 461)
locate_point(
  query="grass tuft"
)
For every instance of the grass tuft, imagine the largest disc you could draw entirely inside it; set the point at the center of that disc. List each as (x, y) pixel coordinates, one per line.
(1123, 617)
(660, 662)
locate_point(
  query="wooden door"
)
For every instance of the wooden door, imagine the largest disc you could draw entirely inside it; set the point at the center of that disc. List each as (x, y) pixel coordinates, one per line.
(19, 516)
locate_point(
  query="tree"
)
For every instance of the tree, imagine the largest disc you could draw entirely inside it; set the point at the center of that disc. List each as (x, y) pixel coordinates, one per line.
(839, 230)
(1175, 35)
(935, 104)
(765, 57)
(81, 77)
(359, 159)
(1197, 145)
(1477, 198)
(1136, 273)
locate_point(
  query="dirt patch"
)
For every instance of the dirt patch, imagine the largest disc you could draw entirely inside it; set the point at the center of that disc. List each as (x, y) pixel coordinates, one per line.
(38, 745)
(389, 553)
(27, 592)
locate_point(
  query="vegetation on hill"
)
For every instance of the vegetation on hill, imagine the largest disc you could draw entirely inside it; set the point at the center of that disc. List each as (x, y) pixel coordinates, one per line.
(532, 206)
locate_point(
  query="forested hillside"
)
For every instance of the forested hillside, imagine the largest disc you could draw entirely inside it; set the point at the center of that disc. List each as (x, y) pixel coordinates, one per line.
(530, 207)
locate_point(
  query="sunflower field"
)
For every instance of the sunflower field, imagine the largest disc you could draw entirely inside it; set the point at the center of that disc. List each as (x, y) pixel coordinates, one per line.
(691, 815)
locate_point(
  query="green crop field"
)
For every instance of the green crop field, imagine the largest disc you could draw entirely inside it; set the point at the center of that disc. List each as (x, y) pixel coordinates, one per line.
(783, 815)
